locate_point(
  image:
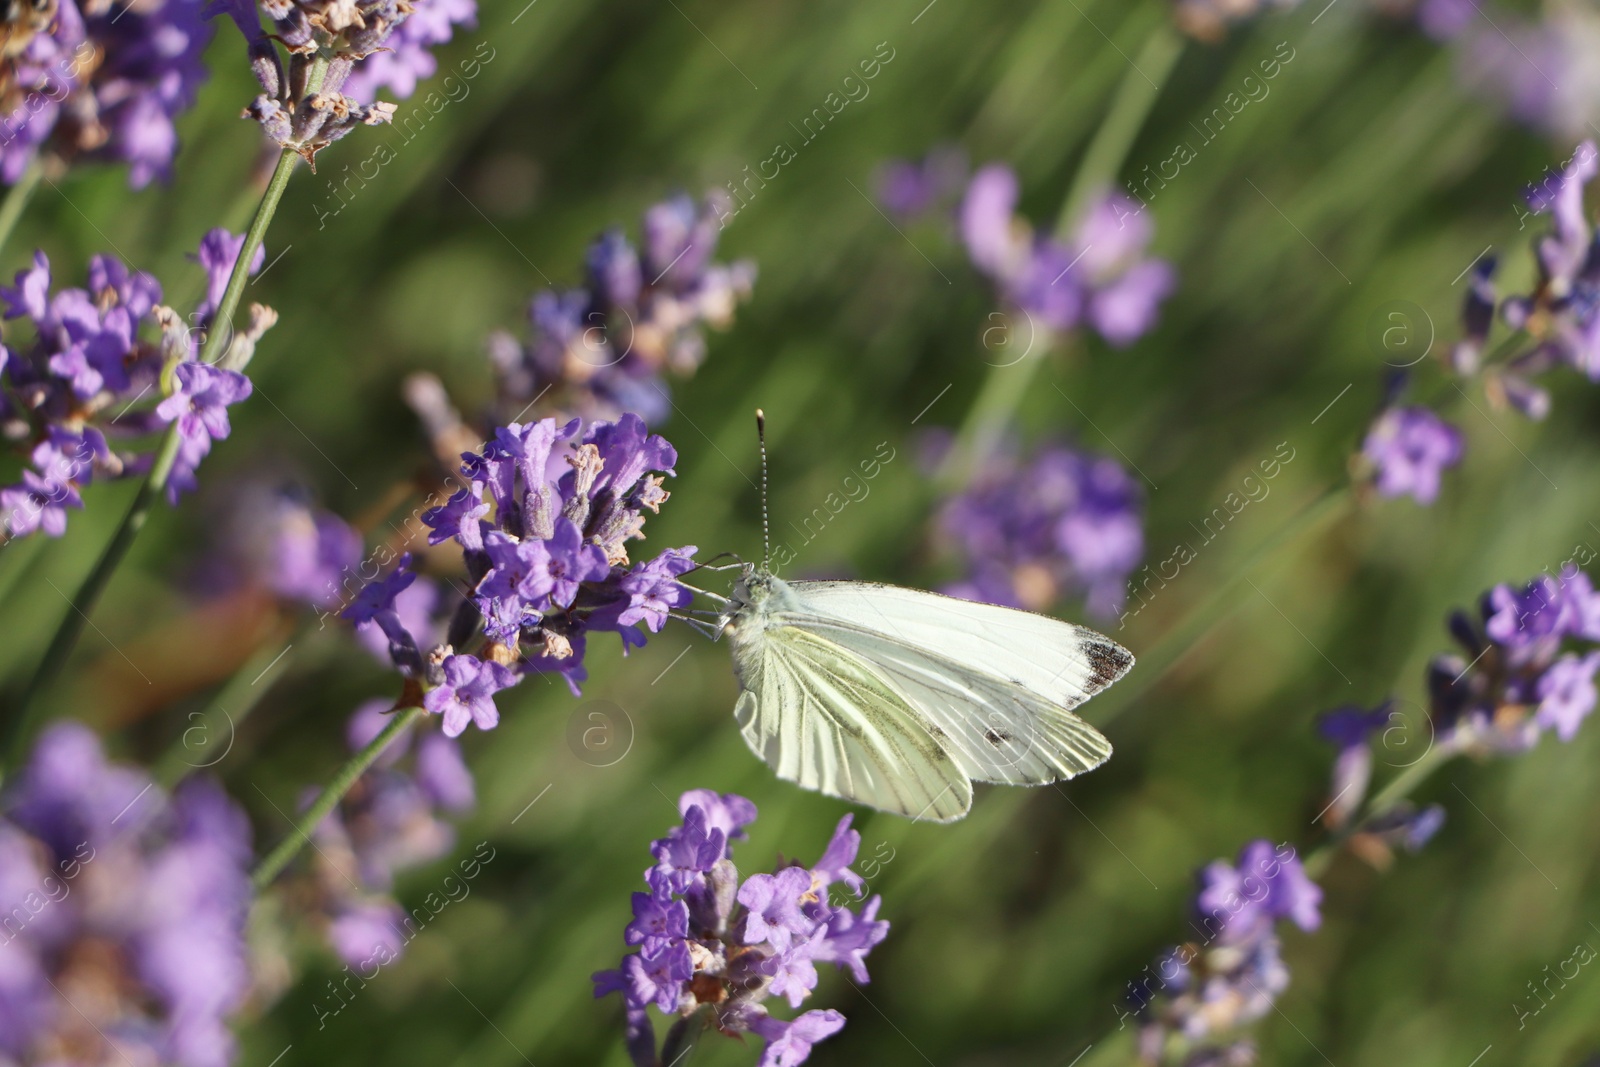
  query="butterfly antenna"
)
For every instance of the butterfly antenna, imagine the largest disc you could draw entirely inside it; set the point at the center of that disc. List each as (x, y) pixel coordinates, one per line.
(766, 528)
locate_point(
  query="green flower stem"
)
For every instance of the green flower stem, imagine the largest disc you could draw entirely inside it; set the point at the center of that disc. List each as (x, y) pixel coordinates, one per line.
(24, 712)
(1002, 392)
(218, 724)
(17, 197)
(1382, 803)
(276, 860)
(1129, 108)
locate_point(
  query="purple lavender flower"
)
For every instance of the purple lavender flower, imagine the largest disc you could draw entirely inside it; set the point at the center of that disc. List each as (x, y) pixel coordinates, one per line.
(1536, 69)
(301, 553)
(77, 369)
(708, 944)
(553, 563)
(466, 693)
(1566, 694)
(131, 893)
(1063, 523)
(1563, 312)
(1204, 992)
(1350, 729)
(104, 82)
(407, 57)
(1268, 884)
(1410, 448)
(603, 350)
(37, 504)
(1520, 673)
(1099, 276)
(199, 405)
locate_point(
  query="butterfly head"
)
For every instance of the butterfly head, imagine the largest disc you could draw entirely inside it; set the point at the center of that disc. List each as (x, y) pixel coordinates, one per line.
(756, 596)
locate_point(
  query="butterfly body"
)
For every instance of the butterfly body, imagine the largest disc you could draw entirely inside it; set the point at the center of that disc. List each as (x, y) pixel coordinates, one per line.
(901, 699)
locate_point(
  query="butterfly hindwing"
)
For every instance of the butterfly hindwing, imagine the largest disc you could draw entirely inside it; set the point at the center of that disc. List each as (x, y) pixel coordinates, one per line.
(822, 717)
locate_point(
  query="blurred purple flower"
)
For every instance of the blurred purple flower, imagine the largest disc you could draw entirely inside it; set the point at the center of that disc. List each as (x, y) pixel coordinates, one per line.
(391, 820)
(126, 891)
(709, 944)
(1099, 276)
(1066, 522)
(603, 350)
(1237, 902)
(1519, 674)
(1410, 448)
(1205, 992)
(911, 189)
(105, 83)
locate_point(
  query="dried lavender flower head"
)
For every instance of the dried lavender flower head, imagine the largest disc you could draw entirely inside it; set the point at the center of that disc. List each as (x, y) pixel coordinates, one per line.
(407, 57)
(713, 949)
(302, 105)
(134, 909)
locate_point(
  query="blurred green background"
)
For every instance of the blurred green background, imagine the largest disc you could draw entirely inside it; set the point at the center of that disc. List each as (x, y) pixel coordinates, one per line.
(1366, 177)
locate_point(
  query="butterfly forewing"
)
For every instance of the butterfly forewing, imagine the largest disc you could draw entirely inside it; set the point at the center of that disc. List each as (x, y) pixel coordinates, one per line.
(1057, 661)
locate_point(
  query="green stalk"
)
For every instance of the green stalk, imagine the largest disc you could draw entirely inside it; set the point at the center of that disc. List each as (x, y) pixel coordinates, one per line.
(1129, 108)
(24, 712)
(18, 196)
(276, 860)
(1382, 803)
(1007, 383)
(228, 708)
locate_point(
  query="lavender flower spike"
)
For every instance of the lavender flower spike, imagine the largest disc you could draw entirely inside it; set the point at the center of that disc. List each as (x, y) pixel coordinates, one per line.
(709, 945)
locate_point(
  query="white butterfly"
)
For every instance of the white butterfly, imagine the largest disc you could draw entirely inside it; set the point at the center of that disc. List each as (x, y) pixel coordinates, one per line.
(901, 699)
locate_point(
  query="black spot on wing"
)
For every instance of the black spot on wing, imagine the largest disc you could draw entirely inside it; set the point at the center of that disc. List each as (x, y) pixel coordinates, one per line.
(996, 737)
(1109, 662)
